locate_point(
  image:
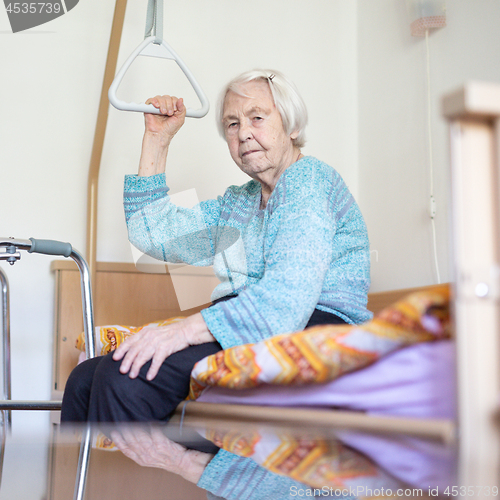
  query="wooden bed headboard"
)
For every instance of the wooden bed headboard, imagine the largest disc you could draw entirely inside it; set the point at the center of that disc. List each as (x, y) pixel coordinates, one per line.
(378, 300)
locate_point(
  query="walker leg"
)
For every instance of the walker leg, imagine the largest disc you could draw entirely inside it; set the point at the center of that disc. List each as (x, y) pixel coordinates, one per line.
(3, 430)
(7, 391)
(88, 317)
(83, 463)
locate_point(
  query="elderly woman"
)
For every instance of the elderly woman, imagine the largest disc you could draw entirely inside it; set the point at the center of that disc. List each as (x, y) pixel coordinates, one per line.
(290, 248)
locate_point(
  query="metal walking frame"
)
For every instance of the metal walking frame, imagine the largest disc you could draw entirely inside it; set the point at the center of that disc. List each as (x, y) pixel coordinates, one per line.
(11, 253)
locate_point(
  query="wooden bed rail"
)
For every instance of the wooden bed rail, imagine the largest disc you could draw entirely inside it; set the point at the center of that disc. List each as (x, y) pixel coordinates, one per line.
(379, 300)
(198, 413)
(474, 116)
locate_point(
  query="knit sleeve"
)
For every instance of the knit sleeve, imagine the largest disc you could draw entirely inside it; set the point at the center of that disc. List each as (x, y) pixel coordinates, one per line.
(165, 231)
(298, 251)
(231, 477)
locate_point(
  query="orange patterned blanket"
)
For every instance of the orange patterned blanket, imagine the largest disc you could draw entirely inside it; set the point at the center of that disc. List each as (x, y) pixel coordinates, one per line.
(323, 353)
(315, 355)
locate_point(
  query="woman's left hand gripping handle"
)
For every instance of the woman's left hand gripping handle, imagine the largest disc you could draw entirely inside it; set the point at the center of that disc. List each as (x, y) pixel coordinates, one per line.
(173, 115)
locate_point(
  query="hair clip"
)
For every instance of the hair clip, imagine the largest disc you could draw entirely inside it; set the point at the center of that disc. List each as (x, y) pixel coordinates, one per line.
(270, 78)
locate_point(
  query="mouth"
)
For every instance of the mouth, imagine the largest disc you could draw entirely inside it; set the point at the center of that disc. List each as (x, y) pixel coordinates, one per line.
(246, 153)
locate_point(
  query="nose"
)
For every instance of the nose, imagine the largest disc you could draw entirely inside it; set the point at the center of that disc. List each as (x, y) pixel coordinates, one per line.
(245, 131)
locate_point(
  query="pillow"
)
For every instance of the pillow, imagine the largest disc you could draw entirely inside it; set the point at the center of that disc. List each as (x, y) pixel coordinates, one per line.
(108, 338)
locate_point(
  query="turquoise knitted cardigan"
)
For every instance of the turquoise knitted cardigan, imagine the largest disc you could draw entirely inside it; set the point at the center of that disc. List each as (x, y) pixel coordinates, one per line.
(308, 248)
(230, 477)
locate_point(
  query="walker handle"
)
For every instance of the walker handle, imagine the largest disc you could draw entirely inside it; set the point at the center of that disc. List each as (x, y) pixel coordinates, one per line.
(50, 247)
(149, 48)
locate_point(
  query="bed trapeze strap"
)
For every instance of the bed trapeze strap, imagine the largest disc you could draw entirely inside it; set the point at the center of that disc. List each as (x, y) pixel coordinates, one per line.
(154, 20)
(154, 46)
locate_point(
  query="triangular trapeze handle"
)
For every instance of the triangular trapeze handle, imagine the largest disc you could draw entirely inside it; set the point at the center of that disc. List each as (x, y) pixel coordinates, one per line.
(149, 48)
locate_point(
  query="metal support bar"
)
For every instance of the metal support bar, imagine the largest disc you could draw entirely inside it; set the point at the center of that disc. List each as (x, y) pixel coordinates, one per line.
(3, 439)
(19, 244)
(30, 405)
(88, 313)
(7, 370)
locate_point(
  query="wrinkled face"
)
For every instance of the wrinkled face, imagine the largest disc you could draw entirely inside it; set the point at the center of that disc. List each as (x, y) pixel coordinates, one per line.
(254, 132)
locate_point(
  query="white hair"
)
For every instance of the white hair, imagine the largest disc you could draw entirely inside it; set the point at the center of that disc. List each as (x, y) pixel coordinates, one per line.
(287, 100)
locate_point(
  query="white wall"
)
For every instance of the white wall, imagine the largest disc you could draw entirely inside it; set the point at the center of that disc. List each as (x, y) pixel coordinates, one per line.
(50, 84)
(311, 42)
(393, 154)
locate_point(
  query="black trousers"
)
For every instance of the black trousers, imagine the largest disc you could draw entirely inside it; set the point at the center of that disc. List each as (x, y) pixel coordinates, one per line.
(96, 391)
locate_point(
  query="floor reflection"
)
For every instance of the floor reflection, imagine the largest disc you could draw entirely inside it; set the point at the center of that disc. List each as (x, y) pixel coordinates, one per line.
(259, 461)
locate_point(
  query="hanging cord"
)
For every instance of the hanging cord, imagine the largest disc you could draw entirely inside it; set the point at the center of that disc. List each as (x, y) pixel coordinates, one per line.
(154, 21)
(431, 162)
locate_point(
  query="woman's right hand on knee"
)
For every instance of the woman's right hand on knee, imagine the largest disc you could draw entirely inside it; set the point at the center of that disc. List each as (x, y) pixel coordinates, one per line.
(155, 343)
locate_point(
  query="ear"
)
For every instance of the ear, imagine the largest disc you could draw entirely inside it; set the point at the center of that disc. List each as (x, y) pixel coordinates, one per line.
(294, 135)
